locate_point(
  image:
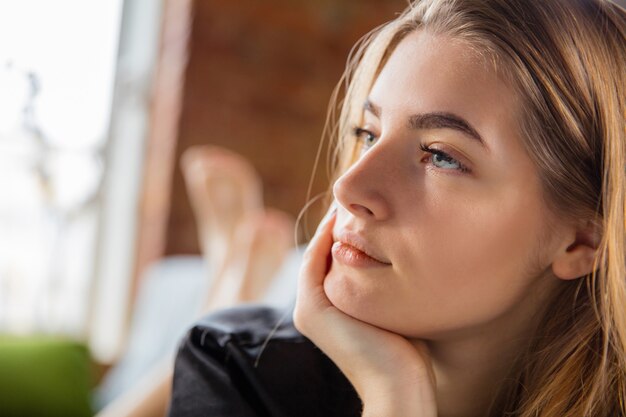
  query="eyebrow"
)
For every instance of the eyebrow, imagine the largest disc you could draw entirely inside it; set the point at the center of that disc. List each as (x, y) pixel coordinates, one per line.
(434, 120)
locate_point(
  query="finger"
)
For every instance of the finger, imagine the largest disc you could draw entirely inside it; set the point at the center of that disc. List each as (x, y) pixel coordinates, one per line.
(311, 297)
(314, 265)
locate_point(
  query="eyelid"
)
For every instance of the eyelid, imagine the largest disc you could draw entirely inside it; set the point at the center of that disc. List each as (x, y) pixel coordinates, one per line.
(464, 165)
(364, 128)
(359, 131)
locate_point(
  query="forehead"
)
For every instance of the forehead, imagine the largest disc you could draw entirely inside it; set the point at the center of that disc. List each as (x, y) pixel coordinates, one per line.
(427, 73)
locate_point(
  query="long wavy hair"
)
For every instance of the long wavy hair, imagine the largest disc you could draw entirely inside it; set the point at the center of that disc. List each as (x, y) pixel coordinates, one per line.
(567, 61)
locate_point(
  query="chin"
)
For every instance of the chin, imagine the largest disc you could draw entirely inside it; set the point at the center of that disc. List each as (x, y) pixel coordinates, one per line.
(351, 297)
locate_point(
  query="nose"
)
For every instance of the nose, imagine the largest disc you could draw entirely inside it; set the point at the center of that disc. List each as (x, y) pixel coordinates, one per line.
(364, 188)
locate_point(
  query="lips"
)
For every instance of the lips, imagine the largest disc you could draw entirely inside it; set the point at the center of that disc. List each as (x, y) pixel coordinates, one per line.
(353, 248)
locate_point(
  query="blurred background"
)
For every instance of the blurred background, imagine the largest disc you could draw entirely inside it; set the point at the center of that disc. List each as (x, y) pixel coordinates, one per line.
(99, 100)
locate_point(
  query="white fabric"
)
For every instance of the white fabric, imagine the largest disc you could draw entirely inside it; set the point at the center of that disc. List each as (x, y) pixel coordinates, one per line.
(168, 303)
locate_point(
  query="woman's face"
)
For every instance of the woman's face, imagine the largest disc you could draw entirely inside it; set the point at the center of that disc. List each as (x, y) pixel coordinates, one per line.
(444, 197)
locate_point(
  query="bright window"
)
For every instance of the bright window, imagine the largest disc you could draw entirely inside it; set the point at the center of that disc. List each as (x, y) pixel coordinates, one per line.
(57, 69)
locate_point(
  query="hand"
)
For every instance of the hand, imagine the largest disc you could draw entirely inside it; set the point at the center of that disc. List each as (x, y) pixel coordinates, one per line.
(392, 375)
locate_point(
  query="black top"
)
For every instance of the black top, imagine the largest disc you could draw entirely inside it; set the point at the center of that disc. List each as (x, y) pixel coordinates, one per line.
(222, 369)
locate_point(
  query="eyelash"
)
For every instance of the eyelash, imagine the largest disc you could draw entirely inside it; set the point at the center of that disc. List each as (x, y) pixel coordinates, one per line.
(359, 132)
(446, 157)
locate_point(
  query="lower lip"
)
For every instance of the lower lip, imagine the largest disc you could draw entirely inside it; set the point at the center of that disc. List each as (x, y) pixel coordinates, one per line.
(351, 256)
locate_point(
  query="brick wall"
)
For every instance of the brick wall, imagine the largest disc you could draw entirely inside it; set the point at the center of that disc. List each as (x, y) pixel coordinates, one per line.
(258, 79)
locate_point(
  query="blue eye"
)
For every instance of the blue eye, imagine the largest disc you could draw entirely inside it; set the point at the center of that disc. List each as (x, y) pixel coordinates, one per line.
(442, 160)
(364, 136)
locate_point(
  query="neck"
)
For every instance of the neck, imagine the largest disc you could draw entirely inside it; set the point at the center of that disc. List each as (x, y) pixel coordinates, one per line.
(471, 365)
(469, 372)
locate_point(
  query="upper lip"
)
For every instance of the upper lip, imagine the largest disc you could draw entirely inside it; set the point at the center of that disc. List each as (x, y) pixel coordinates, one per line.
(357, 241)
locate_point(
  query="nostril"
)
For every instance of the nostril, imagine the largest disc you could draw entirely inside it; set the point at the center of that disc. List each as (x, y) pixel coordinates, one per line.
(361, 209)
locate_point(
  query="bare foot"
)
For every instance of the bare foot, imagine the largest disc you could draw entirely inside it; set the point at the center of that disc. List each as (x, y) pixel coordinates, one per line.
(224, 190)
(261, 245)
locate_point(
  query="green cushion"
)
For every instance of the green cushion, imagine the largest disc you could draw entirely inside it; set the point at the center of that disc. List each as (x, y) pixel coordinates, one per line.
(44, 376)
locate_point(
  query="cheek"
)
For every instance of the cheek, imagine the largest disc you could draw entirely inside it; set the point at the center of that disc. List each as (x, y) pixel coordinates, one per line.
(473, 261)
(484, 223)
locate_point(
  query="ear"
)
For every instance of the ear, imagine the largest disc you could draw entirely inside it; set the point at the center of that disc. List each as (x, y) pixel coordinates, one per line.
(576, 256)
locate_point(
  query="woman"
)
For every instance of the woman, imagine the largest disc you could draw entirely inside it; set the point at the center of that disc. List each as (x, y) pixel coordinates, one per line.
(474, 262)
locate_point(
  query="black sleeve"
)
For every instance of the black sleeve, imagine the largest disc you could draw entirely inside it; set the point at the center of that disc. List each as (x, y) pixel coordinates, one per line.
(213, 371)
(203, 386)
(227, 366)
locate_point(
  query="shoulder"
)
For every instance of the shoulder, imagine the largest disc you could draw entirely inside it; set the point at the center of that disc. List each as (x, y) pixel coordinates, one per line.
(250, 361)
(247, 326)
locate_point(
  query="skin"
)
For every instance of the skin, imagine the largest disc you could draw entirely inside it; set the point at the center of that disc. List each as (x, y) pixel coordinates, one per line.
(473, 251)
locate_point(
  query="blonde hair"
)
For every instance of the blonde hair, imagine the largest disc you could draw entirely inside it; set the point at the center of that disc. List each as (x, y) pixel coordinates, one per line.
(566, 59)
